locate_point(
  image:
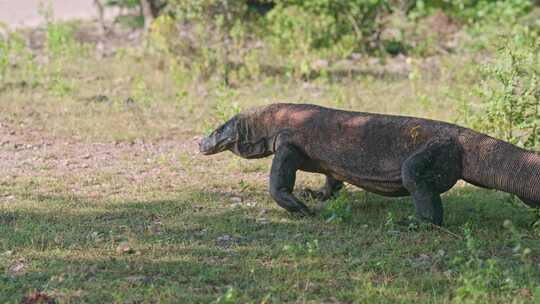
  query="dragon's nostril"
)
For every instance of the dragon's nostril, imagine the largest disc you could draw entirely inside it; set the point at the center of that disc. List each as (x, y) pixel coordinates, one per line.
(202, 145)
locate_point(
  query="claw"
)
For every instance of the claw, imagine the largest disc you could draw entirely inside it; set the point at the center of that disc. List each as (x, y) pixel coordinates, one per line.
(306, 212)
(308, 194)
(414, 224)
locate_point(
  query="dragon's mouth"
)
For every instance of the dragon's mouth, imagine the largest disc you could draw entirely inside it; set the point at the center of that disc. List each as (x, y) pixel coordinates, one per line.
(209, 145)
(221, 139)
(206, 147)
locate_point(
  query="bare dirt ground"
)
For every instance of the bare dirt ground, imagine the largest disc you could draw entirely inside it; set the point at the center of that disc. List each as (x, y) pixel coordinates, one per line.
(26, 13)
(27, 153)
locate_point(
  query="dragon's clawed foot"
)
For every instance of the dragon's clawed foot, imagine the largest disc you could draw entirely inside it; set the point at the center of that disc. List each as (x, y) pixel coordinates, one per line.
(309, 194)
(414, 224)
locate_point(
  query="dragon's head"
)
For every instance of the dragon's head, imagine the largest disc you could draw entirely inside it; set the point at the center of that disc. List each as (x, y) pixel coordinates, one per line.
(241, 135)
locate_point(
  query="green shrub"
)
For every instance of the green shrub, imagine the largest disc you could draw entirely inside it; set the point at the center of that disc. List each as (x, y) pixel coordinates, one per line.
(14, 55)
(510, 92)
(302, 38)
(472, 11)
(327, 24)
(61, 47)
(305, 31)
(206, 35)
(60, 40)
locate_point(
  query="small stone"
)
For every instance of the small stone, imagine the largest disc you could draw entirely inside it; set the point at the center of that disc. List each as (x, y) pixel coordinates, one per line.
(202, 232)
(18, 267)
(129, 102)
(124, 248)
(319, 64)
(58, 239)
(225, 238)
(137, 279)
(356, 56)
(236, 199)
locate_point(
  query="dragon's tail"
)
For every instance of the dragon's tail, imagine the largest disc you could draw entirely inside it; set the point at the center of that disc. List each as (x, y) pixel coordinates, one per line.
(495, 164)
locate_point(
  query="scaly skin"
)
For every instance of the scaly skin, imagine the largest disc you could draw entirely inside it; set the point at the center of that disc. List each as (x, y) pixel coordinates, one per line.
(384, 154)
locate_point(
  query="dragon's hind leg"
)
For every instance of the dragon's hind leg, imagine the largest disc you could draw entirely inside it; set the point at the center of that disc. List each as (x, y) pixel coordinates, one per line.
(430, 171)
(328, 191)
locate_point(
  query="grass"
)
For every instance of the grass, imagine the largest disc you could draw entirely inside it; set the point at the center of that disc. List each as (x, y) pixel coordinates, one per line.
(103, 198)
(192, 245)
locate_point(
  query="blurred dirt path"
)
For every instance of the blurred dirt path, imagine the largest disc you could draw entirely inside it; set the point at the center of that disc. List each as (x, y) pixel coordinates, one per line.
(25, 13)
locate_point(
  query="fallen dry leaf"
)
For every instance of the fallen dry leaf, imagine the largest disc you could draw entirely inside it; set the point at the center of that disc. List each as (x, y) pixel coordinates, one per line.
(38, 297)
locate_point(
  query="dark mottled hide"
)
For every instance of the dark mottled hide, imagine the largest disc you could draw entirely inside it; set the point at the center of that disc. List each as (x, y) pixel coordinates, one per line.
(384, 154)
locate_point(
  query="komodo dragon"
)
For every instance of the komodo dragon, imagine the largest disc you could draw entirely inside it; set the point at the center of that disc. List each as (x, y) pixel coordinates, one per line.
(385, 154)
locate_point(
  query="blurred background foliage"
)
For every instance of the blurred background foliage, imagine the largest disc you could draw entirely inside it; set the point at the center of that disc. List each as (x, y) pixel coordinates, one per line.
(308, 35)
(306, 39)
(336, 28)
(484, 53)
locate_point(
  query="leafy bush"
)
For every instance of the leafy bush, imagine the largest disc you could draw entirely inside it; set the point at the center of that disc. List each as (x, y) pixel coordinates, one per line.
(305, 31)
(236, 39)
(15, 55)
(510, 93)
(325, 24)
(211, 36)
(205, 35)
(472, 11)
